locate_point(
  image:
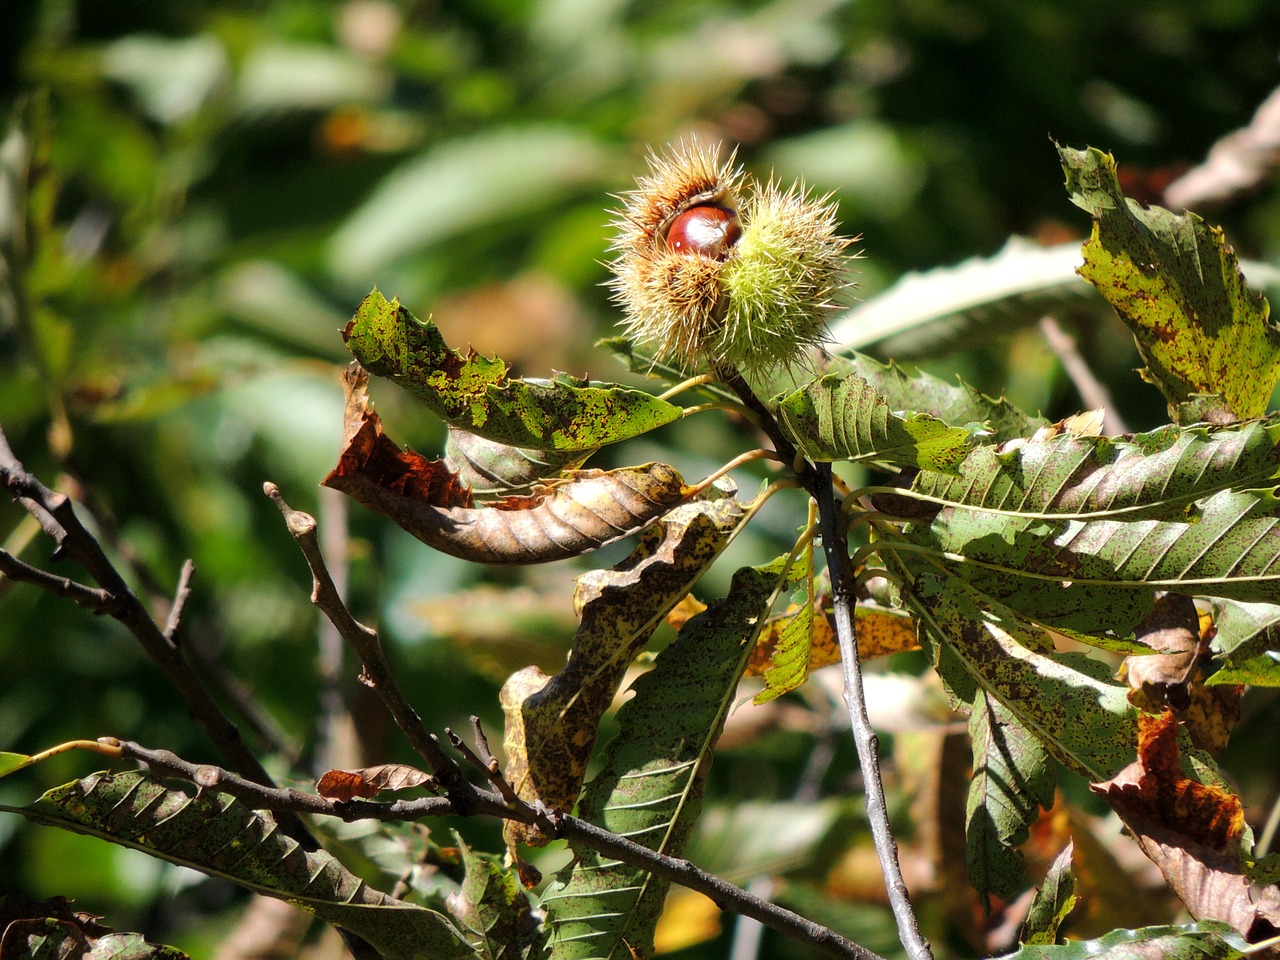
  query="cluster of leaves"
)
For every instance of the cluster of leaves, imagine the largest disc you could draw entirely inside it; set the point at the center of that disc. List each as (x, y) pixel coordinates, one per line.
(1001, 540)
(213, 187)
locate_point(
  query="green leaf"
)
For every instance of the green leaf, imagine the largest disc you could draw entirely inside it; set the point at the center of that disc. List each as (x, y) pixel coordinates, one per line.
(9, 762)
(218, 835)
(1229, 547)
(1206, 940)
(844, 418)
(1158, 474)
(1068, 701)
(474, 393)
(1054, 899)
(1177, 285)
(1000, 509)
(1013, 778)
(1247, 643)
(956, 403)
(651, 785)
(790, 664)
(495, 911)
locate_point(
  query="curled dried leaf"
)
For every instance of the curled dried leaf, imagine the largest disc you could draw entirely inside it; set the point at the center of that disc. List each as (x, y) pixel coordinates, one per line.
(586, 510)
(551, 722)
(1192, 831)
(370, 781)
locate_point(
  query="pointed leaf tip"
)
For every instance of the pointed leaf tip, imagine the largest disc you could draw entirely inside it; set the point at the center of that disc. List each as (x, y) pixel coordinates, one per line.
(1206, 337)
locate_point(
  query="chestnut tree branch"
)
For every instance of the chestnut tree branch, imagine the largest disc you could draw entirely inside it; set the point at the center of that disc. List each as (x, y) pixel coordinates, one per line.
(365, 643)
(833, 545)
(817, 479)
(482, 802)
(57, 516)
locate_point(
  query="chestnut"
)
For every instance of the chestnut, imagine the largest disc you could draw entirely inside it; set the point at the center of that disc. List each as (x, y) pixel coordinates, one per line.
(707, 230)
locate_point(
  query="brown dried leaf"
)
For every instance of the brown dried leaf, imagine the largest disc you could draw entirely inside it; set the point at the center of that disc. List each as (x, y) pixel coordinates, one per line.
(1174, 678)
(589, 509)
(370, 781)
(551, 722)
(1192, 832)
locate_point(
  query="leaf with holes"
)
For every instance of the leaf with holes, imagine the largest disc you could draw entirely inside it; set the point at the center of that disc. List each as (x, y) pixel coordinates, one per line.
(218, 835)
(651, 784)
(475, 393)
(1176, 283)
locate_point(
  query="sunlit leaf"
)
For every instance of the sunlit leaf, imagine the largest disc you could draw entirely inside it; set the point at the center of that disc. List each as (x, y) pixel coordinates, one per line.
(654, 772)
(915, 391)
(1192, 831)
(475, 393)
(1053, 901)
(789, 665)
(844, 418)
(586, 510)
(1157, 474)
(1197, 941)
(1068, 701)
(1229, 546)
(218, 835)
(551, 721)
(1177, 285)
(1013, 778)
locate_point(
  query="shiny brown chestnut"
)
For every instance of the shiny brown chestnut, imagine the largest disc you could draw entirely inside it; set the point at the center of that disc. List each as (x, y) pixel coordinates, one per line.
(707, 230)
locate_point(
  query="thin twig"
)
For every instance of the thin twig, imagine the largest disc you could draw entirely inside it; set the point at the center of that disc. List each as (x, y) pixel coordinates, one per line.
(491, 803)
(91, 598)
(57, 517)
(334, 717)
(1093, 393)
(818, 480)
(366, 645)
(180, 597)
(855, 700)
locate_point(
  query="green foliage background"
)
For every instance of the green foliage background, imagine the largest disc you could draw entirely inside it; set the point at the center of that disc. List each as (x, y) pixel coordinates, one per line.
(219, 183)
